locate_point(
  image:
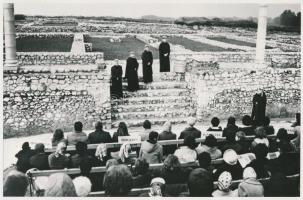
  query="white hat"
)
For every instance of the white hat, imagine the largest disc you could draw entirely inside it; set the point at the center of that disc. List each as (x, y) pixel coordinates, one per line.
(230, 157)
(41, 182)
(224, 180)
(249, 172)
(157, 180)
(82, 185)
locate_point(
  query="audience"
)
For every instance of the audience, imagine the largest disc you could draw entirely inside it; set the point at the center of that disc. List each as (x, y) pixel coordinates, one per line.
(58, 159)
(99, 135)
(200, 183)
(190, 130)
(77, 136)
(14, 184)
(80, 156)
(122, 131)
(268, 128)
(250, 186)
(277, 186)
(168, 135)
(172, 171)
(231, 143)
(147, 129)
(151, 150)
(224, 183)
(111, 162)
(117, 181)
(230, 127)
(187, 153)
(241, 140)
(261, 137)
(157, 188)
(82, 185)
(23, 156)
(247, 126)
(215, 125)
(40, 159)
(205, 161)
(283, 140)
(58, 137)
(141, 175)
(210, 146)
(261, 163)
(60, 185)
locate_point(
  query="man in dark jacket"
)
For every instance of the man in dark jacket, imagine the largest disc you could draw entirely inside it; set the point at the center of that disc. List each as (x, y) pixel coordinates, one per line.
(23, 157)
(259, 107)
(164, 51)
(168, 135)
(131, 72)
(147, 62)
(190, 130)
(40, 159)
(116, 79)
(99, 135)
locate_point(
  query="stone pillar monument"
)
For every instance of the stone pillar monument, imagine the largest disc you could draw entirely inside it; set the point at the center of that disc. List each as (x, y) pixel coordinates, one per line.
(11, 62)
(261, 34)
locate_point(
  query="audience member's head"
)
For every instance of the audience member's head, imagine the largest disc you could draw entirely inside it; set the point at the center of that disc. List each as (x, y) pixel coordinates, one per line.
(200, 183)
(240, 135)
(98, 126)
(260, 132)
(167, 126)
(230, 157)
(141, 166)
(260, 151)
(231, 121)
(111, 162)
(157, 187)
(282, 135)
(224, 181)
(14, 183)
(171, 163)
(61, 148)
(246, 120)
(249, 172)
(117, 181)
(78, 127)
(82, 185)
(39, 148)
(25, 146)
(58, 135)
(153, 137)
(190, 142)
(85, 167)
(60, 185)
(215, 121)
(122, 129)
(211, 141)
(266, 121)
(147, 124)
(204, 160)
(81, 148)
(231, 137)
(191, 121)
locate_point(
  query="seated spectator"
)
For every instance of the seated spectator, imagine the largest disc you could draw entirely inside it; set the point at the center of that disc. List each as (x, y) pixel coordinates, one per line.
(231, 143)
(230, 127)
(168, 135)
(40, 159)
(241, 140)
(190, 130)
(250, 186)
(157, 188)
(95, 178)
(260, 164)
(200, 183)
(77, 136)
(111, 162)
(172, 171)
(296, 142)
(277, 186)
(80, 156)
(58, 159)
(210, 146)
(147, 129)
(247, 127)
(122, 131)
(215, 125)
(99, 135)
(283, 140)
(151, 150)
(58, 137)
(205, 161)
(117, 181)
(268, 128)
(60, 185)
(261, 137)
(231, 165)
(224, 183)
(14, 184)
(23, 156)
(141, 175)
(83, 186)
(187, 153)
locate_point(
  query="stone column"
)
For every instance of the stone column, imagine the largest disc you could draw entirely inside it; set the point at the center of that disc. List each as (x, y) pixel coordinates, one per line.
(261, 34)
(10, 62)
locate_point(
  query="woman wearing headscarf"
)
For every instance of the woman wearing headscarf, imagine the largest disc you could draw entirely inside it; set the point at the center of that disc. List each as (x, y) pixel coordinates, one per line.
(224, 183)
(60, 185)
(250, 186)
(58, 159)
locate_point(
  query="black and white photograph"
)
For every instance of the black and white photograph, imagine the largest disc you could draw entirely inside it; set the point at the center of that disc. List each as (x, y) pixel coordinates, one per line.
(151, 98)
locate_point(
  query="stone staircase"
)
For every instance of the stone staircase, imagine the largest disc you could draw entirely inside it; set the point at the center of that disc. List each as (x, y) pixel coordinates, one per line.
(168, 98)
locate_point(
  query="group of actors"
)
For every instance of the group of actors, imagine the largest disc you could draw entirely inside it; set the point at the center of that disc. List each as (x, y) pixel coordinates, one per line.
(132, 65)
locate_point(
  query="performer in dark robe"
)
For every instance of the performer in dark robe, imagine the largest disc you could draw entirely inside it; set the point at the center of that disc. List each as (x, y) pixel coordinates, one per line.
(259, 107)
(164, 52)
(131, 72)
(116, 79)
(147, 62)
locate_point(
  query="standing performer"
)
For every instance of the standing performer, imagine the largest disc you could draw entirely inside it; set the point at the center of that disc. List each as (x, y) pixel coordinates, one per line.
(164, 51)
(116, 78)
(259, 107)
(131, 72)
(147, 62)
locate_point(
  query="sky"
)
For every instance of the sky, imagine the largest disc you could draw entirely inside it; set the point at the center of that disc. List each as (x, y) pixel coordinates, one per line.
(137, 9)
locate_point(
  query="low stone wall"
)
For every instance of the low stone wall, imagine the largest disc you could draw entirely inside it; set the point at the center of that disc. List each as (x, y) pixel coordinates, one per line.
(45, 35)
(38, 102)
(57, 58)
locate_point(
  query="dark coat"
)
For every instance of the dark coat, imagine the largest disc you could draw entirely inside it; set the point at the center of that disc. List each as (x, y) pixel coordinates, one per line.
(261, 167)
(168, 149)
(147, 62)
(131, 74)
(190, 131)
(116, 80)
(141, 181)
(228, 145)
(235, 170)
(164, 48)
(249, 130)
(269, 130)
(259, 107)
(39, 161)
(97, 137)
(23, 162)
(58, 162)
(230, 129)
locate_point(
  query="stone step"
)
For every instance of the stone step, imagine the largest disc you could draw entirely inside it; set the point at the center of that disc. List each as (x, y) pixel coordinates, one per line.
(150, 107)
(154, 121)
(150, 100)
(159, 85)
(153, 114)
(156, 93)
(164, 76)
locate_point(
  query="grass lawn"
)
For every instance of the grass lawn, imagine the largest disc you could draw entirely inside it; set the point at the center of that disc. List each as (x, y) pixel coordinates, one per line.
(236, 42)
(119, 50)
(31, 44)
